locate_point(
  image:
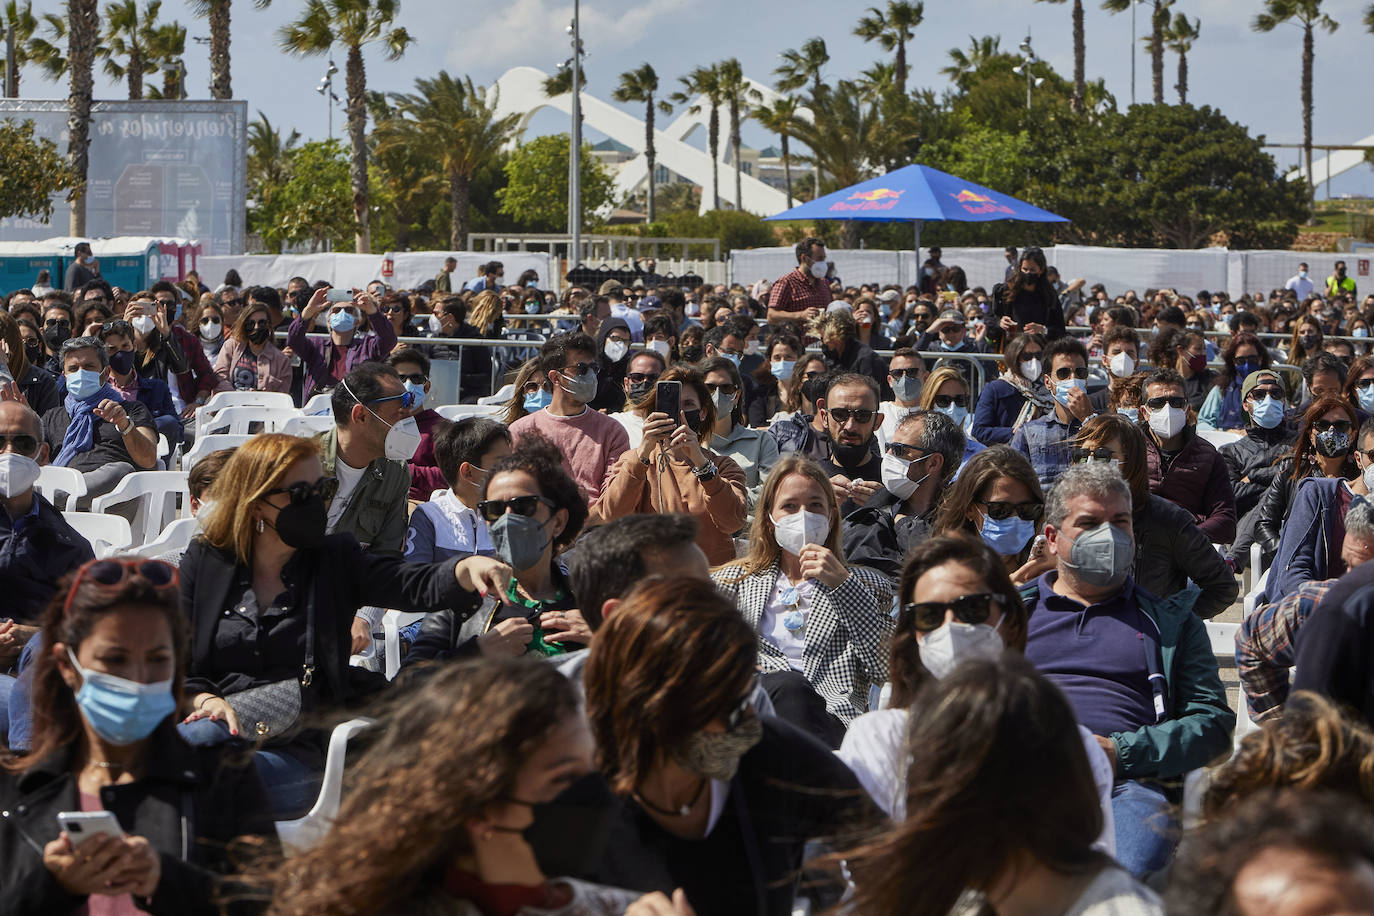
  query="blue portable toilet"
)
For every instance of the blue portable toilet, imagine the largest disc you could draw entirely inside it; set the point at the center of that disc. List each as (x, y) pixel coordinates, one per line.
(20, 263)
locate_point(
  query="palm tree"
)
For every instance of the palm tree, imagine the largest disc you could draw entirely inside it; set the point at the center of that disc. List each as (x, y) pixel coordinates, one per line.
(1308, 15)
(83, 32)
(168, 47)
(892, 30)
(1159, 21)
(28, 48)
(798, 68)
(1080, 54)
(1369, 20)
(561, 81)
(878, 80)
(778, 118)
(269, 154)
(351, 23)
(640, 86)
(963, 64)
(705, 81)
(217, 12)
(457, 123)
(129, 34)
(50, 53)
(737, 95)
(1180, 38)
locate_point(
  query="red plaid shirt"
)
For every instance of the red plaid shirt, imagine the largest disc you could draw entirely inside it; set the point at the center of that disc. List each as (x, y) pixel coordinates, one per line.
(795, 292)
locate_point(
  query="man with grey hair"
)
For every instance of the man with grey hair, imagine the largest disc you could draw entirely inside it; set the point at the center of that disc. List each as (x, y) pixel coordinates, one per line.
(94, 430)
(917, 466)
(1265, 644)
(1138, 669)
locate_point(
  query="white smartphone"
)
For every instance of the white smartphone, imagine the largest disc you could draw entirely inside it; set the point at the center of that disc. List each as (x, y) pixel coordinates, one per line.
(1037, 547)
(335, 294)
(82, 825)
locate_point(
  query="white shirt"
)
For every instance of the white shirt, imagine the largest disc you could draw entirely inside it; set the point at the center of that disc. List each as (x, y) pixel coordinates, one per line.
(349, 478)
(457, 528)
(1301, 285)
(874, 748)
(634, 426)
(773, 624)
(893, 415)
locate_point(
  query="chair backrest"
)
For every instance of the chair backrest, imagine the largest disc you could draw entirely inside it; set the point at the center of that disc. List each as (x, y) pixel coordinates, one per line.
(460, 411)
(156, 493)
(175, 537)
(53, 480)
(500, 397)
(108, 534)
(227, 399)
(207, 444)
(299, 835)
(242, 421)
(307, 427)
(1219, 437)
(321, 403)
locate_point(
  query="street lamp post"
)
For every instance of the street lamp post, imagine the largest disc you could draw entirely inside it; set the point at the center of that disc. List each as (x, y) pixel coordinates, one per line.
(1028, 59)
(326, 89)
(575, 154)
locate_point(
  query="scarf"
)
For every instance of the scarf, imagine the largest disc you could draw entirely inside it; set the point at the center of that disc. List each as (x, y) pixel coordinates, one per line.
(1037, 402)
(81, 431)
(1232, 413)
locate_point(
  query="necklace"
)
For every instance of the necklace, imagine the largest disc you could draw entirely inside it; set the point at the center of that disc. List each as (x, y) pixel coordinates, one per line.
(107, 765)
(680, 812)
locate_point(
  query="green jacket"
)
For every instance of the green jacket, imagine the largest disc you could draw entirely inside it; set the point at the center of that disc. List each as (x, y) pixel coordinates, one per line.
(377, 510)
(1201, 721)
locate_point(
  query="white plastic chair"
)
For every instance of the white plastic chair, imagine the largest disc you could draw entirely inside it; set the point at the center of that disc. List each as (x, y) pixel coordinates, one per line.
(304, 832)
(308, 427)
(1219, 437)
(175, 537)
(108, 534)
(1223, 638)
(500, 397)
(156, 492)
(236, 421)
(321, 403)
(227, 399)
(207, 444)
(392, 621)
(1251, 601)
(461, 411)
(53, 480)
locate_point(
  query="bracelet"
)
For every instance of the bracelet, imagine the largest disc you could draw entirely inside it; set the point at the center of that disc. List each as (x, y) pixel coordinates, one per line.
(706, 471)
(128, 428)
(201, 704)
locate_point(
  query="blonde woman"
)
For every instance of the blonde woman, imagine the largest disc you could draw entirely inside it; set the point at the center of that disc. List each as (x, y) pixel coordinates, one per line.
(484, 314)
(946, 392)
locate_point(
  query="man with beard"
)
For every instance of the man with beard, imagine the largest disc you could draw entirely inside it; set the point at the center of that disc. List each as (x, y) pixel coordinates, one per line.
(855, 467)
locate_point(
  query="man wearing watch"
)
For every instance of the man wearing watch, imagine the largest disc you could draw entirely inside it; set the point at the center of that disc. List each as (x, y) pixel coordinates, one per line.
(94, 430)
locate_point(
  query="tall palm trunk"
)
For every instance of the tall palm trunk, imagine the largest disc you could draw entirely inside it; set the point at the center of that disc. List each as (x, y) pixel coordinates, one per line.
(13, 66)
(816, 90)
(82, 31)
(899, 68)
(650, 154)
(713, 139)
(135, 72)
(171, 84)
(1157, 23)
(787, 171)
(459, 198)
(1307, 57)
(219, 50)
(1080, 52)
(734, 146)
(357, 136)
(1182, 86)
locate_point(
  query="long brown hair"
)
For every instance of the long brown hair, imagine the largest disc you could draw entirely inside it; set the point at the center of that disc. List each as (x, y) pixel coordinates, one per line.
(691, 378)
(982, 470)
(55, 716)
(1304, 452)
(445, 754)
(14, 340)
(484, 310)
(1135, 468)
(515, 407)
(791, 390)
(1296, 351)
(256, 467)
(763, 540)
(675, 656)
(992, 742)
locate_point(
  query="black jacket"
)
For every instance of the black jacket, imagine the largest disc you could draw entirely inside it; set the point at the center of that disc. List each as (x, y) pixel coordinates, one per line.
(1040, 306)
(340, 577)
(40, 390)
(871, 537)
(610, 376)
(857, 357)
(31, 562)
(1170, 549)
(217, 801)
(1253, 457)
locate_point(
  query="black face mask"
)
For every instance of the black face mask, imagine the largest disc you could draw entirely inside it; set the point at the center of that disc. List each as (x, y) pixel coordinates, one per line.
(692, 353)
(813, 389)
(55, 337)
(850, 456)
(639, 390)
(33, 350)
(121, 361)
(692, 419)
(259, 334)
(302, 525)
(569, 834)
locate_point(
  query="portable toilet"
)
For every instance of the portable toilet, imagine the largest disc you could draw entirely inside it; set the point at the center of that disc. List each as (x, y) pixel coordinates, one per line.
(20, 263)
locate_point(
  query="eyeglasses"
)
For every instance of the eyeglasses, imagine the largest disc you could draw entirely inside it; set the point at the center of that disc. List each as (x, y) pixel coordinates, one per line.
(843, 415)
(945, 400)
(930, 615)
(902, 450)
(904, 373)
(1001, 511)
(1258, 394)
(417, 378)
(23, 443)
(339, 308)
(742, 707)
(639, 378)
(531, 388)
(392, 309)
(1171, 401)
(234, 302)
(113, 572)
(1364, 383)
(493, 509)
(1092, 454)
(57, 323)
(730, 389)
(302, 492)
(1340, 426)
(264, 324)
(407, 399)
(580, 368)
(1064, 372)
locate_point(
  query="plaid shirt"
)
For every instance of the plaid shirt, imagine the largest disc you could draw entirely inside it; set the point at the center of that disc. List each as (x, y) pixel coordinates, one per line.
(1265, 650)
(797, 292)
(1048, 443)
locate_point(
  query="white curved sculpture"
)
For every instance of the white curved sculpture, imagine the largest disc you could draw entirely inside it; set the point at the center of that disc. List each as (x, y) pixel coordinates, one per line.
(521, 91)
(1335, 162)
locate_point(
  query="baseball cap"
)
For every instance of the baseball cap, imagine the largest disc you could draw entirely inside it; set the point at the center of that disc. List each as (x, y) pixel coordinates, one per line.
(1259, 375)
(610, 286)
(889, 295)
(953, 315)
(839, 305)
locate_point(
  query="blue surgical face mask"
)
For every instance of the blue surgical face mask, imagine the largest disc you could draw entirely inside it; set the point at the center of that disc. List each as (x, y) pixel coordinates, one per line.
(1062, 389)
(1360, 332)
(1007, 536)
(531, 308)
(418, 390)
(956, 413)
(83, 384)
(732, 357)
(1130, 413)
(1245, 366)
(341, 321)
(538, 400)
(1268, 413)
(952, 348)
(782, 369)
(121, 711)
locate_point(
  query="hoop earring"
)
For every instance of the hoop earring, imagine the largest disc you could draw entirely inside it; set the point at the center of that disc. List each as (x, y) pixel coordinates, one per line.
(260, 526)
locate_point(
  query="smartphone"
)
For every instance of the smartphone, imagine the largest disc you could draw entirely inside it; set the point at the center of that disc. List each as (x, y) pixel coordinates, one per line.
(150, 308)
(82, 825)
(1037, 548)
(335, 294)
(668, 399)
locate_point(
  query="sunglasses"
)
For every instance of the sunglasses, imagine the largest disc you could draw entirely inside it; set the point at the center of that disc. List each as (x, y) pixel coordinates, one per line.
(301, 492)
(204, 322)
(902, 451)
(1340, 426)
(340, 308)
(812, 375)
(641, 377)
(1171, 401)
(113, 572)
(930, 615)
(740, 710)
(843, 415)
(1363, 383)
(256, 325)
(57, 323)
(407, 399)
(531, 388)
(1258, 394)
(493, 509)
(23, 444)
(1092, 454)
(233, 302)
(1001, 511)
(392, 309)
(945, 400)
(729, 389)
(1064, 372)
(580, 368)
(904, 373)
(417, 378)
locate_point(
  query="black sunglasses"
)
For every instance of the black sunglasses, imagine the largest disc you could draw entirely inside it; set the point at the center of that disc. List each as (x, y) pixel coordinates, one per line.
(392, 309)
(638, 377)
(1362, 384)
(254, 325)
(1001, 511)
(23, 444)
(728, 388)
(580, 368)
(903, 373)
(1171, 401)
(1064, 372)
(302, 492)
(57, 323)
(902, 450)
(1340, 426)
(945, 400)
(843, 415)
(417, 378)
(930, 615)
(493, 509)
(1092, 454)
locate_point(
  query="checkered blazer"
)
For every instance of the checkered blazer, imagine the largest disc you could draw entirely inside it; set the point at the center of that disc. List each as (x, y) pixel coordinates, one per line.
(847, 633)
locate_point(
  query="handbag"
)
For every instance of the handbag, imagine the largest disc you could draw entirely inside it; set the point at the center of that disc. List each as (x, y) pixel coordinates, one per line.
(271, 713)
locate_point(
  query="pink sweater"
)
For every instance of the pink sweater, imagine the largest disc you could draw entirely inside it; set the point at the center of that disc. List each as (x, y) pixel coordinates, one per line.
(590, 442)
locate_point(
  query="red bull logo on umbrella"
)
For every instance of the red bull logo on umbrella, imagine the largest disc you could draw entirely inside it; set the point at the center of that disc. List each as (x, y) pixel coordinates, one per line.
(876, 199)
(974, 202)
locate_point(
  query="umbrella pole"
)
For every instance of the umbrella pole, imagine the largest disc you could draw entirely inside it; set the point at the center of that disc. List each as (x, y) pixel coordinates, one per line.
(916, 224)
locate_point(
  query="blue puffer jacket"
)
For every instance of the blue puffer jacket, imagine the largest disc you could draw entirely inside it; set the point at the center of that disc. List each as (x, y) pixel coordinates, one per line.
(1307, 544)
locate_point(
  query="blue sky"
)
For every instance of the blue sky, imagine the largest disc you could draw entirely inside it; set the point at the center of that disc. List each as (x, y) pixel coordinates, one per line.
(1252, 78)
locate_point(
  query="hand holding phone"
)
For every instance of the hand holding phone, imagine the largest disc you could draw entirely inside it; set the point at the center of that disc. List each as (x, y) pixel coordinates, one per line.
(668, 400)
(335, 294)
(83, 825)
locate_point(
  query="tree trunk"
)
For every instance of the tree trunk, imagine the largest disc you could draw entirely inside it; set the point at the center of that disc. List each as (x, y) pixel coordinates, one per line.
(170, 89)
(713, 137)
(13, 66)
(1080, 52)
(734, 145)
(899, 68)
(787, 171)
(219, 50)
(83, 28)
(357, 136)
(1182, 86)
(1157, 22)
(135, 73)
(459, 196)
(849, 234)
(1307, 56)
(649, 151)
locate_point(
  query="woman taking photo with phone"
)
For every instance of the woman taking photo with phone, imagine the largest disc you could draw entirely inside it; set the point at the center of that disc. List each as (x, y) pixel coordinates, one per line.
(107, 683)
